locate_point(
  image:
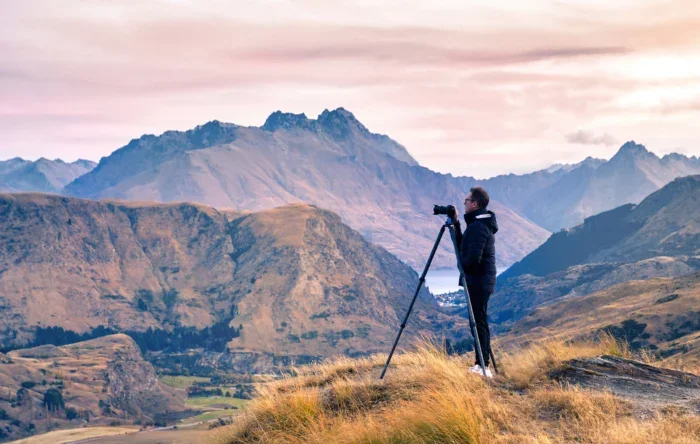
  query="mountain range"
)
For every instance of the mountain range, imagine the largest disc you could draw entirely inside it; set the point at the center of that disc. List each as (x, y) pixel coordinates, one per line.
(292, 158)
(659, 237)
(43, 175)
(594, 186)
(333, 162)
(251, 291)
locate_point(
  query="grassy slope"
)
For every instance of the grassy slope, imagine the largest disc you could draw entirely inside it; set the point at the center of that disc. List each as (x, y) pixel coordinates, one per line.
(662, 315)
(430, 397)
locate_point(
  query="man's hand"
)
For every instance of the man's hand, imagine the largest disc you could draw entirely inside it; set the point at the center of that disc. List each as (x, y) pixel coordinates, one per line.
(453, 213)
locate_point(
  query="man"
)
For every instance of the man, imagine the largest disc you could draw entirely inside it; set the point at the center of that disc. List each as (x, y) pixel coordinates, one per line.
(478, 257)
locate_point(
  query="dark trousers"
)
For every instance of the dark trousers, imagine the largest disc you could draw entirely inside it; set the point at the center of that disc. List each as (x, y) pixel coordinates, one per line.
(480, 300)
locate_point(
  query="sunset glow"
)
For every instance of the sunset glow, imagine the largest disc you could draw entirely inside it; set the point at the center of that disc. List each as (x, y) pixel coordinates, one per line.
(467, 87)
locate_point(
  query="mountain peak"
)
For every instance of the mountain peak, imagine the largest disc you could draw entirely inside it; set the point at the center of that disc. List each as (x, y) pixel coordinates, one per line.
(280, 120)
(85, 163)
(210, 134)
(632, 148)
(340, 122)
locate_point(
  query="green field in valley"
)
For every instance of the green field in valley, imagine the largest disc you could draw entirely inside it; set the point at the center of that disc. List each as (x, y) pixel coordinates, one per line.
(208, 416)
(181, 382)
(213, 402)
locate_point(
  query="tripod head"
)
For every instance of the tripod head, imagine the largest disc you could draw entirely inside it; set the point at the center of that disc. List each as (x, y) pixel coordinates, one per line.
(449, 210)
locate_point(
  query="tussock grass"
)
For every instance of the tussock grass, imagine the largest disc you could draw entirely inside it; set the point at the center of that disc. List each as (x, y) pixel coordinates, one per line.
(430, 397)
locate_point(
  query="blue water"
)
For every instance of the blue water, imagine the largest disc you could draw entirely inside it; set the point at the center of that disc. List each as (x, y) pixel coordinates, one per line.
(446, 280)
(442, 281)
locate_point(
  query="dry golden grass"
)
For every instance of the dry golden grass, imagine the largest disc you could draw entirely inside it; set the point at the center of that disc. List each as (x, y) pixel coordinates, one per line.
(429, 397)
(529, 365)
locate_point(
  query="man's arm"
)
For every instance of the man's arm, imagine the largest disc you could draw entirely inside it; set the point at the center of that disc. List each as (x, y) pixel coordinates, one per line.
(458, 228)
(458, 232)
(472, 252)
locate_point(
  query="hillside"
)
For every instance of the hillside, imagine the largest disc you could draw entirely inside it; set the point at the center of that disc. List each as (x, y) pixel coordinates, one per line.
(665, 223)
(661, 315)
(516, 297)
(248, 291)
(43, 175)
(659, 237)
(91, 382)
(333, 162)
(545, 395)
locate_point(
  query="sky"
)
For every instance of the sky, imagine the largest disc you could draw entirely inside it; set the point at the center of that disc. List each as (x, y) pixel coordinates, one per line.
(468, 87)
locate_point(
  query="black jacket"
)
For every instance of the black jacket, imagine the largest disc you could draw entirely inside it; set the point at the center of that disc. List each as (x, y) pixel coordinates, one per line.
(478, 249)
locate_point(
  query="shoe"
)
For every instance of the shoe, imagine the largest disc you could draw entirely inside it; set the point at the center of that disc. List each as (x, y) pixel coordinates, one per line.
(477, 369)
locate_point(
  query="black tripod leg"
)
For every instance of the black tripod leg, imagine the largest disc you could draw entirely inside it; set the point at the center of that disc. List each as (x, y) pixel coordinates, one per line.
(413, 301)
(472, 321)
(493, 359)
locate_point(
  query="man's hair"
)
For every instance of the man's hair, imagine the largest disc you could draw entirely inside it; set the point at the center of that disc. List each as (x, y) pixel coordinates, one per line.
(480, 196)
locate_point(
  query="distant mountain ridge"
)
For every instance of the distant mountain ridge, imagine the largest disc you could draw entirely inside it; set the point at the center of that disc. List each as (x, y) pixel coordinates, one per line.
(333, 162)
(569, 195)
(42, 175)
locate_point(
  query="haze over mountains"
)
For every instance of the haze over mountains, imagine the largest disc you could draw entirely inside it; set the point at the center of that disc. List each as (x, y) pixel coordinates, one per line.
(43, 175)
(251, 291)
(659, 237)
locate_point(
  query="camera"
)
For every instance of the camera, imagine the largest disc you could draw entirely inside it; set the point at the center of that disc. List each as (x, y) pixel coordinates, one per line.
(448, 210)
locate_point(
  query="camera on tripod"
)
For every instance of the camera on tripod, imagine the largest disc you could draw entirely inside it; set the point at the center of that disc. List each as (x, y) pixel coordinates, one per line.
(448, 210)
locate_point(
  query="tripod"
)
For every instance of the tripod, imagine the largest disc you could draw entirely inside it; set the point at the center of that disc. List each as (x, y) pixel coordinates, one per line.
(449, 224)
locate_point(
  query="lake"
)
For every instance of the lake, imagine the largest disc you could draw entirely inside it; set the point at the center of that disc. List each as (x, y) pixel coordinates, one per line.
(444, 280)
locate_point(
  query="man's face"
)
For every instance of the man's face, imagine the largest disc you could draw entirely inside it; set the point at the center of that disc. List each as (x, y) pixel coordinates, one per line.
(469, 204)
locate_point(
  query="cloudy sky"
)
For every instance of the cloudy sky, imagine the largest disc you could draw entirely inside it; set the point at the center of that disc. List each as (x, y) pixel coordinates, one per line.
(467, 87)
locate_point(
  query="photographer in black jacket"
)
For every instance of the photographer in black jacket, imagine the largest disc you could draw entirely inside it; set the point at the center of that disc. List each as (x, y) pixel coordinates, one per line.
(478, 257)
